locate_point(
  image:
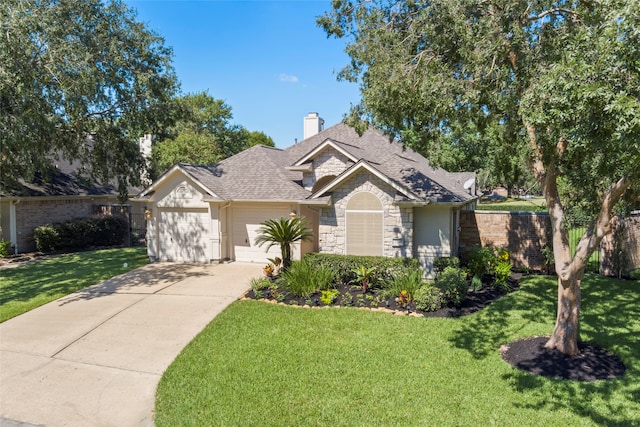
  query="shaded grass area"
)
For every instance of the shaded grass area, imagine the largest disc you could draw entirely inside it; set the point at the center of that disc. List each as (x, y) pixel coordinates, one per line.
(537, 204)
(263, 364)
(29, 286)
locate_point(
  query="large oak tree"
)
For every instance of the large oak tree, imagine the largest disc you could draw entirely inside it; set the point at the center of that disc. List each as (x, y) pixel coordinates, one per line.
(203, 134)
(558, 80)
(69, 69)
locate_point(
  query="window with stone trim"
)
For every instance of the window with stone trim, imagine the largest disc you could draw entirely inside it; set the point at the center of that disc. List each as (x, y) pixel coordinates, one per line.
(364, 225)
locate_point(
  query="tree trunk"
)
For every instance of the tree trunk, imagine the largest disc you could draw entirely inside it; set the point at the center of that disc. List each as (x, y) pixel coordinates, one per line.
(286, 255)
(570, 269)
(566, 332)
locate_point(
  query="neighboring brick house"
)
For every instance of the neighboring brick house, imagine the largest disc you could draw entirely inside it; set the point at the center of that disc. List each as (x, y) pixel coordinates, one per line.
(363, 195)
(57, 196)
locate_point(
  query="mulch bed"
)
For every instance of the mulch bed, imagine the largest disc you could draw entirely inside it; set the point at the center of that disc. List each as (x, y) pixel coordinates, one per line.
(590, 364)
(475, 301)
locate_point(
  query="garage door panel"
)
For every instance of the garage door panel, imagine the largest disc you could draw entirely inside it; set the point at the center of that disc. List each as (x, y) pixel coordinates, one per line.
(246, 223)
(184, 235)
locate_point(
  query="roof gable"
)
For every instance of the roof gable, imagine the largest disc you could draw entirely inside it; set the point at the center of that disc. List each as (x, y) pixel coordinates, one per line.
(362, 165)
(328, 143)
(173, 175)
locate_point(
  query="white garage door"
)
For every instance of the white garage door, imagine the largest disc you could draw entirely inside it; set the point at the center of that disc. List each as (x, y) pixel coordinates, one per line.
(246, 222)
(184, 235)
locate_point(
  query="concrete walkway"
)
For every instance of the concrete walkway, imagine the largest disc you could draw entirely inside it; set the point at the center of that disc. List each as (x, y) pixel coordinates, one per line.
(95, 357)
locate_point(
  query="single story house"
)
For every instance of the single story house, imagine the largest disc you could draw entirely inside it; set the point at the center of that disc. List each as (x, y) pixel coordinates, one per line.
(362, 194)
(57, 195)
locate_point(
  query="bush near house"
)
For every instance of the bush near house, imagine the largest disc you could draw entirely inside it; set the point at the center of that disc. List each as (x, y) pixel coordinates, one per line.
(393, 283)
(5, 248)
(81, 233)
(346, 266)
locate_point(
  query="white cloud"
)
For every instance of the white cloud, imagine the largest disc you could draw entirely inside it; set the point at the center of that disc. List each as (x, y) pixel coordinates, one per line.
(288, 78)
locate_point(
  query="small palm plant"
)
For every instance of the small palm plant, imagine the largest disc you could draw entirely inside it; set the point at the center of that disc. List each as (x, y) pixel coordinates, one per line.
(284, 232)
(364, 276)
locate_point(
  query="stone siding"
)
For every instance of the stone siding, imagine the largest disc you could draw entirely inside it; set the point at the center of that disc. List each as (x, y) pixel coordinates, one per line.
(34, 213)
(328, 162)
(397, 221)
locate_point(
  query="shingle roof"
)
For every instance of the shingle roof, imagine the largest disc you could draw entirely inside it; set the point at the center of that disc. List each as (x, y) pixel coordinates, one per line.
(63, 179)
(257, 173)
(260, 173)
(403, 165)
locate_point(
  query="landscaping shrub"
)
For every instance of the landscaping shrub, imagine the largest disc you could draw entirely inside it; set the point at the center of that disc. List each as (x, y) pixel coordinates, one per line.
(81, 233)
(5, 248)
(344, 265)
(409, 282)
(111, 230)
(260, 283)
(454, 286)
(328, 297)
(78, 233)
(365, 277)
(502, 271)
(442, 262)
(47, 238)
(325, 277)
(635, 274)
(481, 261)
(303, 278)
(428, 298)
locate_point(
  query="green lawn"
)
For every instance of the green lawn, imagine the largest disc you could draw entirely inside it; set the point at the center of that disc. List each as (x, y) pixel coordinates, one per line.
(536, 204)
(272, 365)
(27, 287)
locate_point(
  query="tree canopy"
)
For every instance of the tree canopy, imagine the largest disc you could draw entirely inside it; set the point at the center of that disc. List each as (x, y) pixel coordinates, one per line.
(69, 69)
(203, 134)
(556, 82)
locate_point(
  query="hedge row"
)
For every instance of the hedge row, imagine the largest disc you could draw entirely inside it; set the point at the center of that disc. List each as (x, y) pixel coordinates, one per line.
(385, 268)
(81, 233)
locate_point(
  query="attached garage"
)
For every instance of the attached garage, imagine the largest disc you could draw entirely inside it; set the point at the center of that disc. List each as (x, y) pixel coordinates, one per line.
(184, 235)
(245, 224)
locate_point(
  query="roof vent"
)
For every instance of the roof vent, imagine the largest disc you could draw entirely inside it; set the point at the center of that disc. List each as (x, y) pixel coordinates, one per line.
(313, 125)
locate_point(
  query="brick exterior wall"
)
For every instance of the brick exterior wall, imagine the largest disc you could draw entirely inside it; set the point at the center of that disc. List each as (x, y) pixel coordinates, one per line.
(627, 234)
(524, 234)
(34, 213)
(332, 232)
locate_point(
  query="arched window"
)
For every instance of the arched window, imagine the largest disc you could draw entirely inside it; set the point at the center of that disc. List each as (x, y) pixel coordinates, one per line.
(364, 224)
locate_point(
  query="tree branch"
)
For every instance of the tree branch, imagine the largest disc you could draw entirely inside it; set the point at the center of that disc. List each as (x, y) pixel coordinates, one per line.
(555, 11)
(601, 225)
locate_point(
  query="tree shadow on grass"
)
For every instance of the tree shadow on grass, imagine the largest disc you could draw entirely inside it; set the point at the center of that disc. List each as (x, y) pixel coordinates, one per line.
(607, 402)
(610, 319)
(64, 274)
(483, 333)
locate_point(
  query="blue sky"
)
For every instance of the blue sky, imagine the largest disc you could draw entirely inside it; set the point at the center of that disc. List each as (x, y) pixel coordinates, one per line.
(268, 60)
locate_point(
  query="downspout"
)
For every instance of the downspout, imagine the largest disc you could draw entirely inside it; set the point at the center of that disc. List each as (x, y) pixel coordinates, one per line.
(13, 226)
(222, 238)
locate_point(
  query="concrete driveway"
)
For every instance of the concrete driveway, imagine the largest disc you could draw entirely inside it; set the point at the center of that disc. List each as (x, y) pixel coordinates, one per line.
(95, 357)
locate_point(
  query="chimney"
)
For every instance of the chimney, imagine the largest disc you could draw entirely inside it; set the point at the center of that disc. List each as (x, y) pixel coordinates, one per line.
(145, 145)
(145, 149)
(313, 125)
